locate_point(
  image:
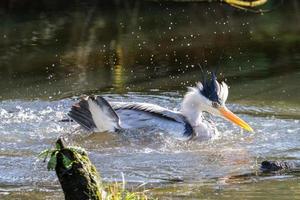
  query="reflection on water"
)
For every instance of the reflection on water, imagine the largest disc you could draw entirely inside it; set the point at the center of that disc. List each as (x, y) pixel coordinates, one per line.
(158, 46)
(149, 52)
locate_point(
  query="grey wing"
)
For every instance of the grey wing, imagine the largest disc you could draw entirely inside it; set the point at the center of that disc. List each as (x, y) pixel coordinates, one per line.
(139, 115)
(80, 112)
(94, 113)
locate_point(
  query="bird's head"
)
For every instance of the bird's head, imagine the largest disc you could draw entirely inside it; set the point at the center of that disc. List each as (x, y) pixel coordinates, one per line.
(210, 96)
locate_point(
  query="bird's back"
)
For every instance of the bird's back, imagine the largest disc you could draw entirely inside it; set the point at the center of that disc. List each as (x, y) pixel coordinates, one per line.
(152, 117)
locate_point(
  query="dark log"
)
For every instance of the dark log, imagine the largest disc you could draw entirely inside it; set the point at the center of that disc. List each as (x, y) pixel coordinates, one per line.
(273, 166)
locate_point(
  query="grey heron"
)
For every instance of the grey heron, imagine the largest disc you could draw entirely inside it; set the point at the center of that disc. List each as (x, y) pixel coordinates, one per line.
(95, 114)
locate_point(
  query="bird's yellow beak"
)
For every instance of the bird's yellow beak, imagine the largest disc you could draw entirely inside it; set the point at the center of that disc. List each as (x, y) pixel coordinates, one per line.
(235, 119)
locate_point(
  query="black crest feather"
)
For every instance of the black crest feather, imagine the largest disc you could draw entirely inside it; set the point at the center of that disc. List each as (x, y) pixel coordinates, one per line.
(211, 88)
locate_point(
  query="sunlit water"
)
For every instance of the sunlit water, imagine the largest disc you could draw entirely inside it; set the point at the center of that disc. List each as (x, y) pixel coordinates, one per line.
(28, 127)
(47, 67)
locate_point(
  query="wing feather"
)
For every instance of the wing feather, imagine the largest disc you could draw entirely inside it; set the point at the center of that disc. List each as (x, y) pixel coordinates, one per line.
(156, 110)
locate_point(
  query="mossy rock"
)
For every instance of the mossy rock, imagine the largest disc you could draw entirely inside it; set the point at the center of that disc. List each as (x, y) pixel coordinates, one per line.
(80, 179)
(77, 175)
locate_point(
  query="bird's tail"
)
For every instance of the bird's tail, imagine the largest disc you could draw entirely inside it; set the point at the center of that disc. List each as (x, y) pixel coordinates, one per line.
(94, 113)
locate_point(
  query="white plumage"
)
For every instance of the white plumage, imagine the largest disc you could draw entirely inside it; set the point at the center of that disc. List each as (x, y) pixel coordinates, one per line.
(101, 117)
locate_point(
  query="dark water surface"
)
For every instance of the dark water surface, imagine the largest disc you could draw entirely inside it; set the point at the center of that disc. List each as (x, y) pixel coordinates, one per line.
(150, 52)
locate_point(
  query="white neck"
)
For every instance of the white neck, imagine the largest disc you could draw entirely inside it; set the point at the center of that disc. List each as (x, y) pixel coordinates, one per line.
(192, 108)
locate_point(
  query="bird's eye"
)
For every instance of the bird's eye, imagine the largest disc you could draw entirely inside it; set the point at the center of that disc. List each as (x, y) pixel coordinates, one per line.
(215, 104)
